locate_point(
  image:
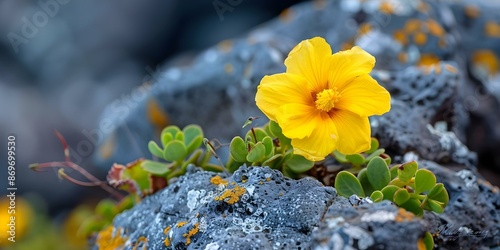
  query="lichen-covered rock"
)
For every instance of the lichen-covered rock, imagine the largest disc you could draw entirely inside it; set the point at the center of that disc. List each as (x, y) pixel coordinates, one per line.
(256, 208)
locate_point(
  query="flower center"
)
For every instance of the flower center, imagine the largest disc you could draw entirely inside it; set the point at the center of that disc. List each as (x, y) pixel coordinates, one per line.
(325, 100)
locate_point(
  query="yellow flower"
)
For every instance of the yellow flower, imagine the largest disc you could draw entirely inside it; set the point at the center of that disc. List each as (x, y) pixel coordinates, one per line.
(322, 101)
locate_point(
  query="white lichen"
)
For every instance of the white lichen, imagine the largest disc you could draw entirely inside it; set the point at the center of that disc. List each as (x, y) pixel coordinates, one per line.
(379, 216)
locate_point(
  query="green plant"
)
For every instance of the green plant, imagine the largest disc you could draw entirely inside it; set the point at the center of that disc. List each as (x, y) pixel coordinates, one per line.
(407, 186)
(358, 161)
(266, 146)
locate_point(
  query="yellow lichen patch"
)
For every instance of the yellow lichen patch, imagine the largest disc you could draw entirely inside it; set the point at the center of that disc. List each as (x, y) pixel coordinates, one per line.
(143, 240)
(191, 233)
(156, 115)
(401, 37)
(428, 60)
(386, 8)
(471, 11)
(228, 68)
(217, 180)
(420, 38)
(364, 28)
(423, 7)
(402, 57)
(268, 179)
(435, 28)
(110, 239)
(486, 59)
(413, 25)
(492, 29)
(167, 239)
(286, 15)
(319, 4)
(450, 68)
(225, 46)
(442, 43)
(181, 223)
(404, 215)
(232, 195)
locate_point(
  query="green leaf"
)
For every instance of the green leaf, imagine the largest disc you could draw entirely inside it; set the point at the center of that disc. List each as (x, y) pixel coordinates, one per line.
(386, 158)
(274, 161)
(373, 146)
(259, 134)
(347, 184)
(106, 208)
(407, 170)
(374, 154)
(428, 241)
(174, 151)
(179, 136)
(413, 205)
(397, 182)
(299, 164)
(155, 149)
(276, 130)
(193, 137)
(156, 168)
(365, 183)
(401, 196)
(377, 196)
(389, 191)
(356, 159)
(257, 153)
(378, 173)
(172, 129)
(340, 157)
(394, 171)
(439, 193)
(436, 206)
(238, 149)
(425, 180)
(166, 138)
(268, 143)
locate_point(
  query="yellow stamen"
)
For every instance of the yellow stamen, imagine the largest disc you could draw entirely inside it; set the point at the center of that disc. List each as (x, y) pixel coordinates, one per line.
(326, 99)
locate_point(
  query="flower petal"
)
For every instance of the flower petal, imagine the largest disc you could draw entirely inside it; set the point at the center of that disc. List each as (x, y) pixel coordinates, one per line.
(297, 120)
(321, 142)
(311, 59)
(354, 132)
(280, 89)
(347, 65)
(365, 97)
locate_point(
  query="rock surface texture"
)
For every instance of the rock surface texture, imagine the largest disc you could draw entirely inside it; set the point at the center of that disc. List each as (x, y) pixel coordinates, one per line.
(440, 61)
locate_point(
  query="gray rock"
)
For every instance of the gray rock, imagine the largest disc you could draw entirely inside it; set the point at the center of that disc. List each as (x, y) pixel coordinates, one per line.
(271, 211)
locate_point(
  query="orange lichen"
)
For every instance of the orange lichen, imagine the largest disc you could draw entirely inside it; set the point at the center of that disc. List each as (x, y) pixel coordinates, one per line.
(404, 215)
(413, 25)
(386, 8)
(428, 60)
(319, 4)
(492, 29)
(181, 223)
(486, 59)
(228, 68)
(286, 15)
(401, 37)
(421, 244)
(143, 240)
(423, 7)
(225, 46)
(364, 28)
(402, 57)
(217, 180)
(471, 11)
(191, 233)
(450, 68)
(232, 195)
(110, 239)
(156, 115)
(167, 239)
(420, 38)
(346, 45)
(442, 43)
(435, 28)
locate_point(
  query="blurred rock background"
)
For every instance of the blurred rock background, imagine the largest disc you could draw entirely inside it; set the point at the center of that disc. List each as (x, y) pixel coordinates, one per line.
(63, 61)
